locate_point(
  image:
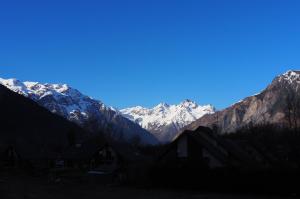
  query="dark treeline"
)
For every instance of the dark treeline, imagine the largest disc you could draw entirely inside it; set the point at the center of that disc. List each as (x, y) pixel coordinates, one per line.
(281, 142)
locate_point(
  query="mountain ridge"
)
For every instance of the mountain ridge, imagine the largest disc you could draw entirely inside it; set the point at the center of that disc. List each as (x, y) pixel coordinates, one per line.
(87, 112)
(164, 120)
(276, 104)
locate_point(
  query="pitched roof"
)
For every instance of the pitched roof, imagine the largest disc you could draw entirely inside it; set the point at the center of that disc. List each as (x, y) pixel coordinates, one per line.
(233, 150)
(224, 150)
(205, 137)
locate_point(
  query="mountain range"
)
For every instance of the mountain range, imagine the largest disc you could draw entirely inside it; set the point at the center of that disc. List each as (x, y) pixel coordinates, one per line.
(278, 104)
(165, 121)
(89, 113)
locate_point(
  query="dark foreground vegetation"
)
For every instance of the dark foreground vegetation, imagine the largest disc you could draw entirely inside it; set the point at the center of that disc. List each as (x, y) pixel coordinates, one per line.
(17, 184)
(280, 143)
(259, 161)
(270, 182)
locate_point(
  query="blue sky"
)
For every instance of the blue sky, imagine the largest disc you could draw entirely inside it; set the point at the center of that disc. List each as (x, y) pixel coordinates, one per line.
(130, 52)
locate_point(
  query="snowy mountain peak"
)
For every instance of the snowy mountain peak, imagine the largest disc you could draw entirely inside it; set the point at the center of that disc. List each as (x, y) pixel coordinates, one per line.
(290, 76)
(162, 105)
(14, 85)
(58, 98)
(164, 120)
(188, 103)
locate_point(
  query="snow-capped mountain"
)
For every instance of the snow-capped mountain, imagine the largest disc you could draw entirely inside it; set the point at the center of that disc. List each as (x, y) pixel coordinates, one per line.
(89, 113)
(290, 77)
(277, 104)
(165, 121)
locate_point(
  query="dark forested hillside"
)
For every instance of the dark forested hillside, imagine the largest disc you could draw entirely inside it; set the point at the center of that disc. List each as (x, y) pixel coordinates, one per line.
(31, 129)
(281, 144)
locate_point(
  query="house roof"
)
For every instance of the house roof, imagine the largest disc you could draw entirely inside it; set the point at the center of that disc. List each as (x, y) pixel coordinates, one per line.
(224, 150)
(205, 137)
(215, 151)
(234, 151)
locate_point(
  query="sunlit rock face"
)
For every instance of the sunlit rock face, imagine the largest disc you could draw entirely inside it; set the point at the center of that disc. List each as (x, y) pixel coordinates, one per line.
(277, 104)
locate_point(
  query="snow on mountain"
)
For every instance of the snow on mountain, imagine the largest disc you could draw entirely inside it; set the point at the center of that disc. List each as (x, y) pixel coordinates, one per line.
(89, 113)
(165, 121)
(290, 76)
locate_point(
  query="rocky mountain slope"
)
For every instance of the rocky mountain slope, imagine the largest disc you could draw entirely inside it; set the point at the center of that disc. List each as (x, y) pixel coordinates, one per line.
(278, 104)
(89, 113)
(165, 121)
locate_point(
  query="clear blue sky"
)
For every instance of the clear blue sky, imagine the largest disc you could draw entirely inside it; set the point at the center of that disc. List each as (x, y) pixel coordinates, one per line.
(142, 52)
